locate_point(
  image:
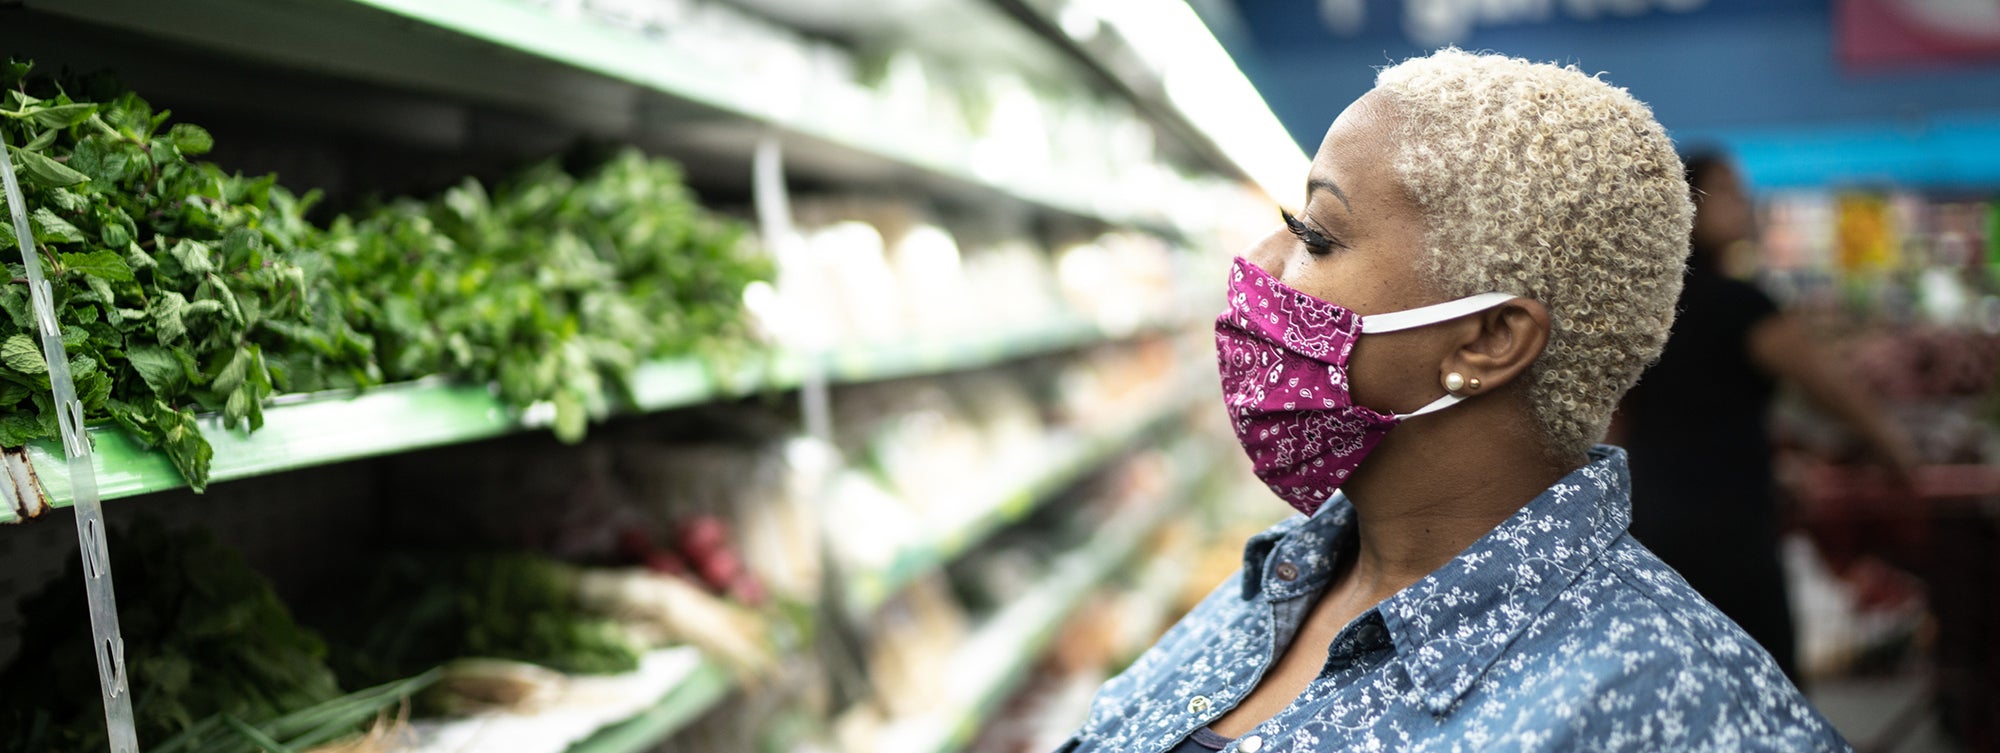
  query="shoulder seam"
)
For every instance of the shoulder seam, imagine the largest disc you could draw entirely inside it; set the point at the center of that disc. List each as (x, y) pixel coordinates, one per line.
(1620, 571)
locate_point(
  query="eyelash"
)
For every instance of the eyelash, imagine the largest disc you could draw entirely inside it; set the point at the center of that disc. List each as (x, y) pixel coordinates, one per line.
(1315, 242)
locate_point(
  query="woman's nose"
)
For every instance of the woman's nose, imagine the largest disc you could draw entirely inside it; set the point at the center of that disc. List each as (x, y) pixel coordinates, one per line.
(1271, 252)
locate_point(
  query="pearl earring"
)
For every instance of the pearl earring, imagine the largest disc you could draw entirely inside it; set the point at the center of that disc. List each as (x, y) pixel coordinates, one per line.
(1454, 382)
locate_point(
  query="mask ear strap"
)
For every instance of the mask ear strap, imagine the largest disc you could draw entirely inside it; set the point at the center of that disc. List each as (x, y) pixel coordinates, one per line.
(1432, 314)
(1436, 405)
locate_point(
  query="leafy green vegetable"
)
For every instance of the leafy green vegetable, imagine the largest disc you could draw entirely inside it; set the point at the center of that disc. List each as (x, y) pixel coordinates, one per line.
(204, 635)
(128, 228)
(416, 613)
(192, 290)
(299, 730)
(552, 287)
(23, 355)
(44, 171)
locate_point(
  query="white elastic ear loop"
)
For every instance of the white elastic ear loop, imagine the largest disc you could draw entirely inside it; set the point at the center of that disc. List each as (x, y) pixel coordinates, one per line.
(1436, 405)
(1434, 313)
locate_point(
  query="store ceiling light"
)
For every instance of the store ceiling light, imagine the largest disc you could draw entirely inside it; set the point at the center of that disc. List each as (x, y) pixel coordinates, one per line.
(1207, 87)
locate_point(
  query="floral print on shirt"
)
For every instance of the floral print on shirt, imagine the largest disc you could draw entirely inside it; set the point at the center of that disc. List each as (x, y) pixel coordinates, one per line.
(1556, 631)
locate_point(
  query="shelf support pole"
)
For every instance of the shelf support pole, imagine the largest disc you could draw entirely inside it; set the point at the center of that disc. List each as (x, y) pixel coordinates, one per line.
(90, 529)
(774, 221)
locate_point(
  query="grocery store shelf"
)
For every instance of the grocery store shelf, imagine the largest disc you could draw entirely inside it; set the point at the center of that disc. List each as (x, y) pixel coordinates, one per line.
(297, 433)
(700, 691)
(1002, 651)
(1038, 615)
(309, 430)
(992, 662)
(621, 713)
(583, 72)
(1110, 58)
(1061, 464)
(930, 356)
(1162, 57)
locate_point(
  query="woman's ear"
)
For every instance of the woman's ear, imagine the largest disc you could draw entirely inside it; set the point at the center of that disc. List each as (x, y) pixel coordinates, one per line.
(1508, 340)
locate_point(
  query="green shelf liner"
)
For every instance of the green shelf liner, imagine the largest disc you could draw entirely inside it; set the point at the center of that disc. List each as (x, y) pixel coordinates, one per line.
(302, 431)
(703, 688)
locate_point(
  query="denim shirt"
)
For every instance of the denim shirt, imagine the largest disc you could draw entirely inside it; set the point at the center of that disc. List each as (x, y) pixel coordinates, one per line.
(1555, 631)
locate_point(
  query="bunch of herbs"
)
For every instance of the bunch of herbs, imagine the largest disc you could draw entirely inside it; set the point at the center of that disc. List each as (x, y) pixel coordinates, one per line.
(179, 288)
(551, 287)
(204, 636)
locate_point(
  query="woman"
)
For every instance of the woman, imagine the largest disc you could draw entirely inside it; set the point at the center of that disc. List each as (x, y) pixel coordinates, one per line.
(1702, 495)
(1488, 255)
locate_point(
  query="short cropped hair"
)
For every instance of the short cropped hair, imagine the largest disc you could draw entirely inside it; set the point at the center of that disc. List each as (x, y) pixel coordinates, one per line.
(1543, 182)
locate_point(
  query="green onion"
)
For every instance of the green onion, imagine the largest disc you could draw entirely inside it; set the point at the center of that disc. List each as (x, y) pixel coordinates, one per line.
(262, 740)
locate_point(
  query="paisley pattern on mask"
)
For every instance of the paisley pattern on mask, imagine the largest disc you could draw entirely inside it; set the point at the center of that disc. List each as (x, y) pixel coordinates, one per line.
(1283, 359)
(1554, 632)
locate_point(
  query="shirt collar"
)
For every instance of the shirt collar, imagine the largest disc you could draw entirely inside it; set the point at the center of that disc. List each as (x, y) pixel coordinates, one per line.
(1296, 557)
(1451, 626)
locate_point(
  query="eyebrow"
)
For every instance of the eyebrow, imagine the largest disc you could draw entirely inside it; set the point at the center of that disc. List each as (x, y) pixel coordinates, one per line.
(1318, 184)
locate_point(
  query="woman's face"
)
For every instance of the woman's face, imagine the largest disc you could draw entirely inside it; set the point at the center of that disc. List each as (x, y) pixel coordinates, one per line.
(1722, 210)
(1357, 248)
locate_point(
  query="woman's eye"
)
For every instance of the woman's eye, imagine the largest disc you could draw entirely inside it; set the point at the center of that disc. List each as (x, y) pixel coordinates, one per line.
(1313, 240)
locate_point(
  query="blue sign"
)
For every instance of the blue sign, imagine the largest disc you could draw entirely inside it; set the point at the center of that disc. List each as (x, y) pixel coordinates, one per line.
(1740, 74)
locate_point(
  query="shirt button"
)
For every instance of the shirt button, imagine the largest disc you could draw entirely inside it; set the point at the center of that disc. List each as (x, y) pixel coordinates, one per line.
(1198, 705)
(1288, 571)
(1251, 744)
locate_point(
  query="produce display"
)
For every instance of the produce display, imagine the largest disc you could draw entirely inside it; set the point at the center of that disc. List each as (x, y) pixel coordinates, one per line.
(880, 272)
(552, 287)
(932, 458)
(178, 287)
(1113, 626)
(942, 100)
(933, 661)
(329, 727)
(419, 612)
(678, 545)
(701, 553)
(204, 636)
(220, 666)
(181, 288)
(474, 612)
(1902, 286)
(828, 577)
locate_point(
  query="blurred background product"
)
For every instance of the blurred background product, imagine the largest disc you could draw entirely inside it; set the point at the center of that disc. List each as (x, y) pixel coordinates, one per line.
(776, 375)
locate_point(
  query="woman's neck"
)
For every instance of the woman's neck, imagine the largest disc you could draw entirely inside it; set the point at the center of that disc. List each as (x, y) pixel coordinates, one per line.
(1430, 490)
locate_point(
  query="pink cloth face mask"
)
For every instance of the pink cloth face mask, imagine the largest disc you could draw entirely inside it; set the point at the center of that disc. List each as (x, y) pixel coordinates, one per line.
(1284, 362)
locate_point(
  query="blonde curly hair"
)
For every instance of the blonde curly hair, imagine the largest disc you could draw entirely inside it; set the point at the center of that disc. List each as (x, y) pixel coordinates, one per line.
(1541, 181)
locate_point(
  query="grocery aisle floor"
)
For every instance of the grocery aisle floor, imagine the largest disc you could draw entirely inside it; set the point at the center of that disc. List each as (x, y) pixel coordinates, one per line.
(1883, 714)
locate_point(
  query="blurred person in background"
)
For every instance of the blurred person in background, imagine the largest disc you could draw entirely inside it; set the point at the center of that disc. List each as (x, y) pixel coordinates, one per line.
(1421, 362)
(1697, 424)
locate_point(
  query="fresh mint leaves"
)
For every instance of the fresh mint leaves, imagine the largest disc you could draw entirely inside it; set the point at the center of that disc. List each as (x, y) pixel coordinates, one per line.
(551, 287)
(183, 289)
(129, 229)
